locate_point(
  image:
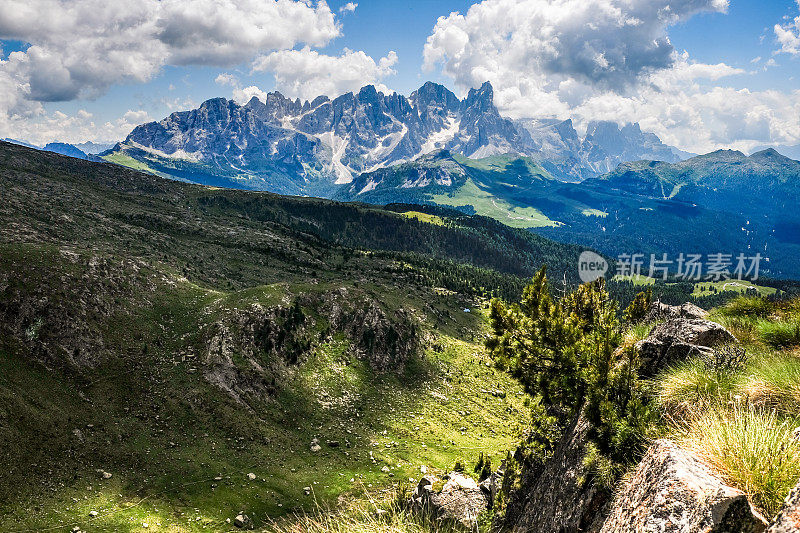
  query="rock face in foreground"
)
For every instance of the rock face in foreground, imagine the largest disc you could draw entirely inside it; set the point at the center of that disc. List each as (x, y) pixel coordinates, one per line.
(460, 501)
(679, 338)
(788, 520)
(559, 496)
(672, 491)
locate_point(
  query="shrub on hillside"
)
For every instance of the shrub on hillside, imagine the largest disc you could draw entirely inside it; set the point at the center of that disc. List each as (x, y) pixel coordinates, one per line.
(566, 354)
(751, 306)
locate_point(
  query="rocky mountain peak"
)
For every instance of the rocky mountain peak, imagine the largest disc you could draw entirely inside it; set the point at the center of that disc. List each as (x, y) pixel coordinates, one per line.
(481, 99)
(436, 95)
(770, 154)
(315, 145)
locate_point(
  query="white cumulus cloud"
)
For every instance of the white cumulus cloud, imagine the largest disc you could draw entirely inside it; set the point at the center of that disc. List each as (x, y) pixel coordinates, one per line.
(241, 95)
(611, 60)
(306, 73)
(603, 42)
(788, 35)
(75, 128)
(80, 48)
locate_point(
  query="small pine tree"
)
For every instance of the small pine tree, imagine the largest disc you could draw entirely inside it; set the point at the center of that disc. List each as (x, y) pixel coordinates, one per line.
(479, 464)
(486, 471)
(566, 355)
(639, 307)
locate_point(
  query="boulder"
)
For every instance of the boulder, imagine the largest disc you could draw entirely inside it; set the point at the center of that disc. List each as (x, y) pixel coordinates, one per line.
(677, 339)
(659, 311)
(460, 500)
(788, 520)
(242, 521)
(673, 491)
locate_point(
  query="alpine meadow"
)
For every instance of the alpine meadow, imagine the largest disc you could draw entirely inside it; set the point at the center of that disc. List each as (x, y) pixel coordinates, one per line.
(322, 266)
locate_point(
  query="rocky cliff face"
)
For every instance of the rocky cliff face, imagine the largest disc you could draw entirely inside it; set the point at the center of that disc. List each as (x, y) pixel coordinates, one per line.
(559, 495)
(247, 351)
(290, 146)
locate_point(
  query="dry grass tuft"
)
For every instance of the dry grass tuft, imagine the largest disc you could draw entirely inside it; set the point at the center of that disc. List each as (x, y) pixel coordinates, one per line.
(387, 514)
(775, 383)
(751, 447)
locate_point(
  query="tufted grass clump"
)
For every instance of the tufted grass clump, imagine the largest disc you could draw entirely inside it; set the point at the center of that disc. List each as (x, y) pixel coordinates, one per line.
(774, 382)
(769, 379)
(747, 306)
(690, 385)
(386, 514)
(635, 333)
(752, 448)
(779, 333)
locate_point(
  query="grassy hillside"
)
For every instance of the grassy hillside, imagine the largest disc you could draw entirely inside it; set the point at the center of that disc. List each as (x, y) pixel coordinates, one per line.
(180, 446)
(180, 338)
(471, 185)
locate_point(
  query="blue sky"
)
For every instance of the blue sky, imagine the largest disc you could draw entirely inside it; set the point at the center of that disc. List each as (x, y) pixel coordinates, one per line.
(720, 66)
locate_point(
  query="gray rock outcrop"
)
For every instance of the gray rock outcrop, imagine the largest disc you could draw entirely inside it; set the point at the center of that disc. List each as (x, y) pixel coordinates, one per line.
(249, 350)
(560, 494)
(661, 311)
(677, 339)
(459, 501)
(673, 491)
(788, 520)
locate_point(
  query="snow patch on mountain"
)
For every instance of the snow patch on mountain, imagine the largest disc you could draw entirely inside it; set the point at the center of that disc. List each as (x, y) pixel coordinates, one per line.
(179, 154)
(441, 138)
(338, 146)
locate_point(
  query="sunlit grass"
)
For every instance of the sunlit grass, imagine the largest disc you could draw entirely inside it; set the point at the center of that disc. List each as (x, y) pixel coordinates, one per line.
(690, 385)
(751, 447)
(752, 306)
(774, 381)
(779, 333)
(386, 514)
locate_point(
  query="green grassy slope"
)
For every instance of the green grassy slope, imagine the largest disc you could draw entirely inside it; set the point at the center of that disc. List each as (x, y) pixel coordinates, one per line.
(474, 185)
(181, 337)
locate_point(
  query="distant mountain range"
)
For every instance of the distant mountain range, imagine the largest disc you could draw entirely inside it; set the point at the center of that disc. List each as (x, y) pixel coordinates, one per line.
(722, 202)
(66, 149)
(92, 148)
(295, 147)
(87, 150)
